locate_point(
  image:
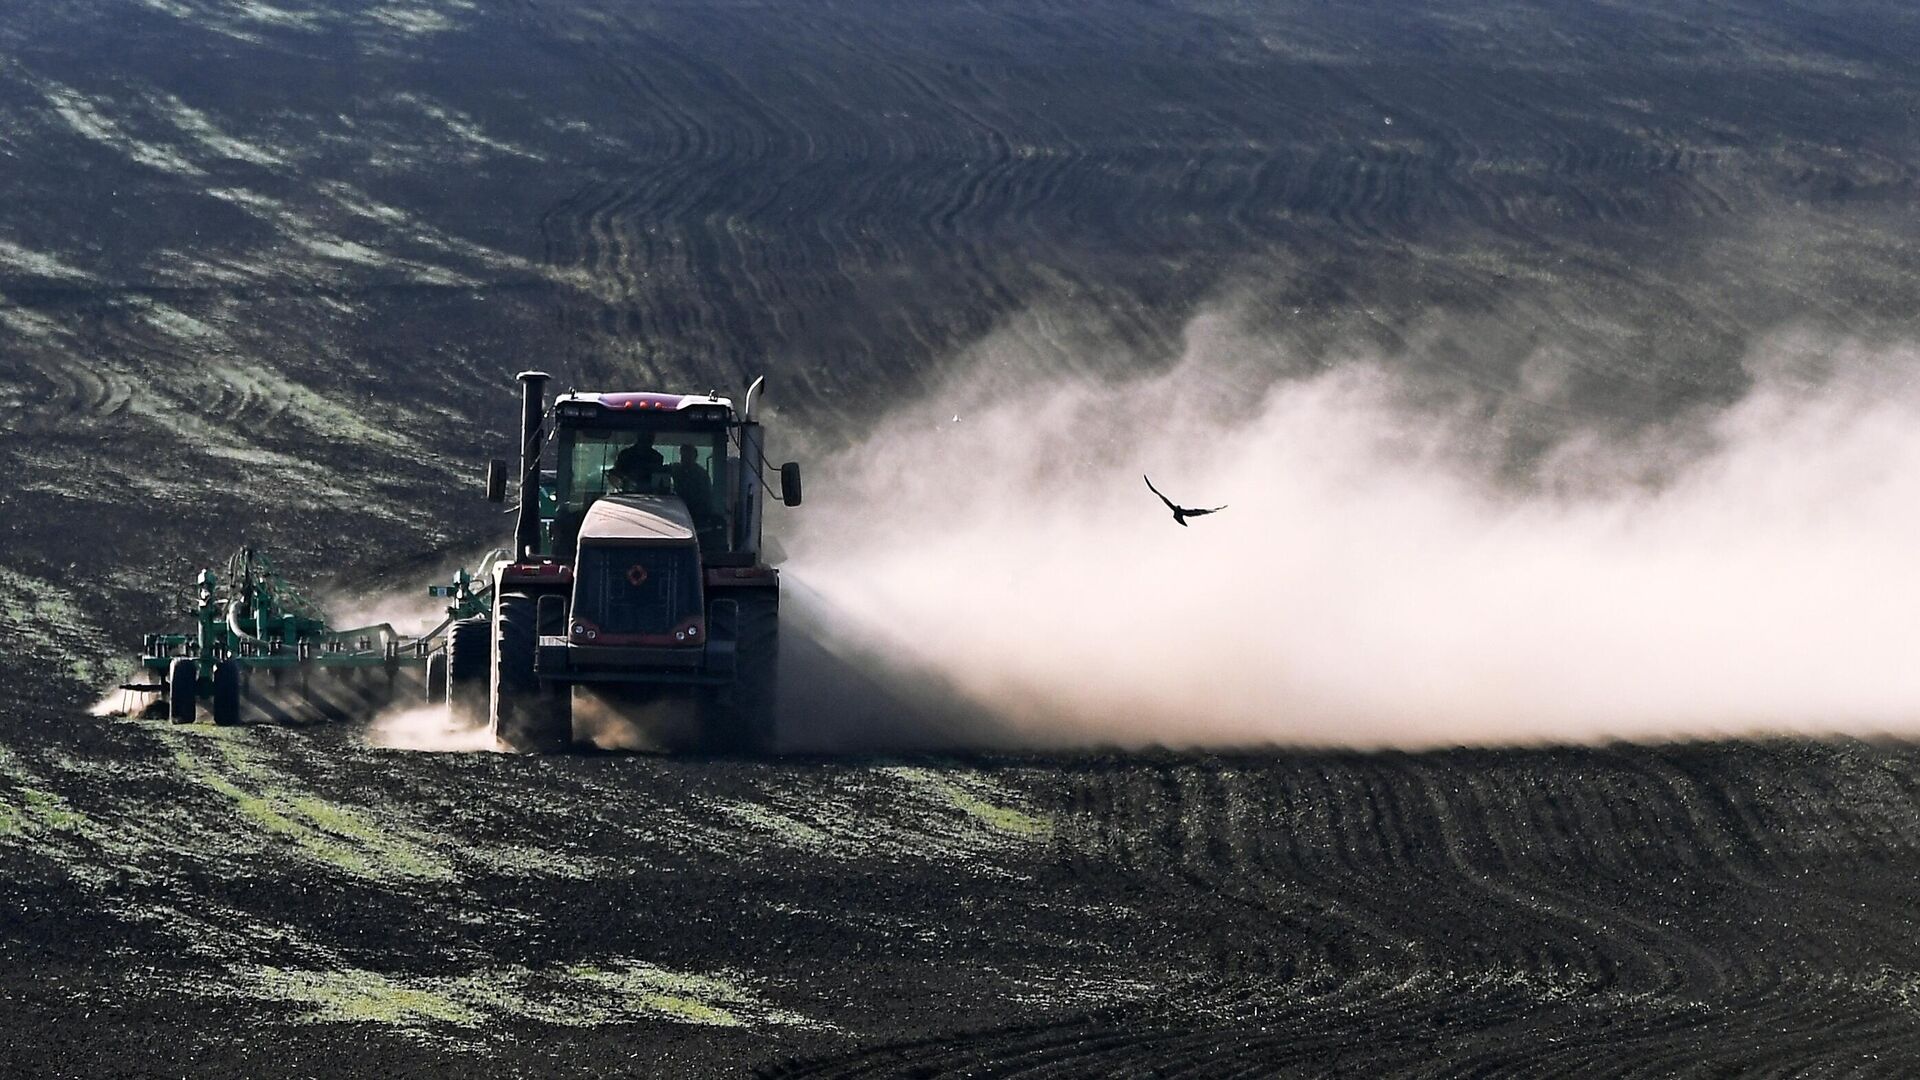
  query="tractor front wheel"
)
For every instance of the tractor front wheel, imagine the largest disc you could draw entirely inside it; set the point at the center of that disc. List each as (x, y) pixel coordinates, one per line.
(527, 715)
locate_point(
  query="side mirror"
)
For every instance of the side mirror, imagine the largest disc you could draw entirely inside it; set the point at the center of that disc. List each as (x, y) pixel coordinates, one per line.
(496, 481)
(790, 483)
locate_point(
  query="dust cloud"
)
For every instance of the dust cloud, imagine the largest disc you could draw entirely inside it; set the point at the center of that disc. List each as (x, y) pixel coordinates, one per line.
(642, 722)
(1385, 575)
(408, 607)
(427, 727)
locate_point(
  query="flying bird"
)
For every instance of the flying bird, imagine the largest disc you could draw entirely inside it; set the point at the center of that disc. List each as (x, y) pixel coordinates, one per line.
(1180, 513)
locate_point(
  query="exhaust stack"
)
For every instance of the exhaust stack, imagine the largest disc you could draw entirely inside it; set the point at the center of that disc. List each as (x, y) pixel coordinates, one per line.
(526, 528)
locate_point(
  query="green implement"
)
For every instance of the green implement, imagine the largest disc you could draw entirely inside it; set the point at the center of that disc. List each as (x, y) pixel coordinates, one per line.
(252, 623)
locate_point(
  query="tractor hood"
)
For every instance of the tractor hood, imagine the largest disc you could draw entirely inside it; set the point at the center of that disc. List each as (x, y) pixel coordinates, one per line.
(637, 582)
(638, 519)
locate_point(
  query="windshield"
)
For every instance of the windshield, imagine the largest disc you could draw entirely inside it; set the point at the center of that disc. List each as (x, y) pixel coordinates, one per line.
(690, 462)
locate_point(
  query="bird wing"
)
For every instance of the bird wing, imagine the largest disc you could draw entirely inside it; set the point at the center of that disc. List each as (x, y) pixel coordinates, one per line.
(1197, 513)
(1156, 491)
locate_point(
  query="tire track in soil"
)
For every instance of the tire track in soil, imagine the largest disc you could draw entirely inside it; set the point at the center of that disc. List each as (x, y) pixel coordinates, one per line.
(1273, 906)
(1611, 993)
(947, 165)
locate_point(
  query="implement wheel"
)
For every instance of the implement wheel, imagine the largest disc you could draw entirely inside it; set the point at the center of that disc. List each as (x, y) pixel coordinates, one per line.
(469, 670)
(528, 717)
(183, 689)
(437, 677)
(226, 693)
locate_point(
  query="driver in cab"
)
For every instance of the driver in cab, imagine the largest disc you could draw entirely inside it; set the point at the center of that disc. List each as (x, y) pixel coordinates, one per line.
(638, 470)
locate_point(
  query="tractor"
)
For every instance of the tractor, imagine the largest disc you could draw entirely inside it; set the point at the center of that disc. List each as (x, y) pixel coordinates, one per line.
(636, 572)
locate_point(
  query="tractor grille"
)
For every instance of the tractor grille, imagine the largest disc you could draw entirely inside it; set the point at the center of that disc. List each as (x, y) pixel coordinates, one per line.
(637, 590)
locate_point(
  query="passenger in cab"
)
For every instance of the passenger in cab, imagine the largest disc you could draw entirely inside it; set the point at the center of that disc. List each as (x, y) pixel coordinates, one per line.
(694, 485)
(691, 483)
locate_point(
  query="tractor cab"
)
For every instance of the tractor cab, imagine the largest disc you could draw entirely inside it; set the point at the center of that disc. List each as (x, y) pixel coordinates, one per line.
(681, 446)
(686, 447)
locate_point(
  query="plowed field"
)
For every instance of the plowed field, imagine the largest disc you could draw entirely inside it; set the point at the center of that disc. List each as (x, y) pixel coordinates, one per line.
(266, 271)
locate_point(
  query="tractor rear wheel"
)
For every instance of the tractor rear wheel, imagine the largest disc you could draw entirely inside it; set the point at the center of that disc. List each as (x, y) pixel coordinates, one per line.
(469, 670)
(742, 715)
(437, 677)
(226, 693)
(527, 715)
(183, 689)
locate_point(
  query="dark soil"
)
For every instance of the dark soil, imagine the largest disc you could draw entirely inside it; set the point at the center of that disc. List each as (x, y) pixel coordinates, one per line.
(275, 902)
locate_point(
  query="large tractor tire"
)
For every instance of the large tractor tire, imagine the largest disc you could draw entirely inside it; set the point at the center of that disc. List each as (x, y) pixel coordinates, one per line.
(469, 670)
(741, 716)
(183, 689)
(527, 716)
(226, 693)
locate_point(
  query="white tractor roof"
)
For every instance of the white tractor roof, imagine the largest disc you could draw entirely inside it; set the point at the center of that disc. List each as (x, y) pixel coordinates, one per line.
(638, 519)
(640, 399)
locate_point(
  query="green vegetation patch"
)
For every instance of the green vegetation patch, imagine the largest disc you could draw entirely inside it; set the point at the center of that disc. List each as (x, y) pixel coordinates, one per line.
(354, 995)
(33, 815)
(376, 842)
(45, 624)
(52, 811)
(348, 838)
(980, 800)
(672, 995)
(787, 828)
(623, 991)
(28, 809)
